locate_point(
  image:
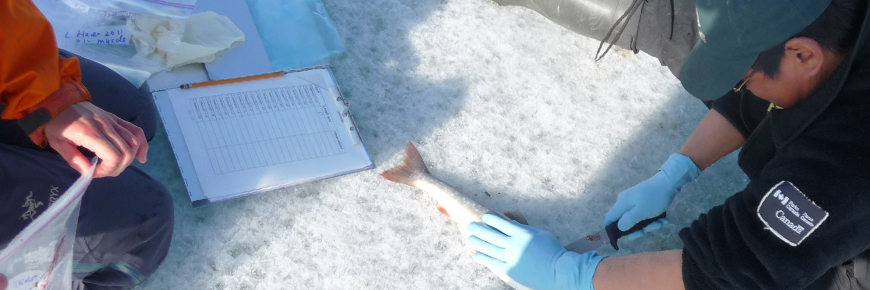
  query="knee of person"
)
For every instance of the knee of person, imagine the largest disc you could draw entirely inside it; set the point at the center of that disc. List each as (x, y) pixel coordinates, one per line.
(165, 219)
(148, 116)
(159, 227)
(151, 197)
(164, 207)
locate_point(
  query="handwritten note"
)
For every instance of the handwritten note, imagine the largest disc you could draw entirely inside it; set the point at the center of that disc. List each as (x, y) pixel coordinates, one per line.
(99, 35)
(26, 281)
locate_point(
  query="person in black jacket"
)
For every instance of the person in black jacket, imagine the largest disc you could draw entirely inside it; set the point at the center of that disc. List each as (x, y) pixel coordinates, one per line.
(789, 82)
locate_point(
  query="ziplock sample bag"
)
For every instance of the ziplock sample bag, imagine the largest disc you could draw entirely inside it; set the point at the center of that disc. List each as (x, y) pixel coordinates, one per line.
(40, 256)
(132, 37)
(296, 33)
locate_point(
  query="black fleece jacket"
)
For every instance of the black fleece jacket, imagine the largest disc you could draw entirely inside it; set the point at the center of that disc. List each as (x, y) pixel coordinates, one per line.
(822, 147)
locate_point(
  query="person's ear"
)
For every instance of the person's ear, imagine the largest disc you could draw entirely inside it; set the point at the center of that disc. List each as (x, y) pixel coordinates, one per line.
(805, 55)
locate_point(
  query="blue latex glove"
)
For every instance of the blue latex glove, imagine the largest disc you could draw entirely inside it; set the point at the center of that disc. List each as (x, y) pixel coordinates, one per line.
(530, 256)
(653, 196)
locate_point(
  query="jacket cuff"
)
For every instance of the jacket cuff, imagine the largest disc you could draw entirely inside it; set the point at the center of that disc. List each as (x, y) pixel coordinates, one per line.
(40, 114)
(680, 169)
(575, 271)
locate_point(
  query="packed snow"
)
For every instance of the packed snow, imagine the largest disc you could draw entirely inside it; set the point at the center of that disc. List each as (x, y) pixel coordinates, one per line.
(502, 103)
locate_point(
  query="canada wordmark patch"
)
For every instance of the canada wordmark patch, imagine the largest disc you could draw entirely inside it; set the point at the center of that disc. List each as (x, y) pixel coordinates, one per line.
(789, 214)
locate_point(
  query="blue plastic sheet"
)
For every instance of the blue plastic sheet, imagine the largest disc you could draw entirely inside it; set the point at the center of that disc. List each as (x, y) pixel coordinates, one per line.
(296, 33)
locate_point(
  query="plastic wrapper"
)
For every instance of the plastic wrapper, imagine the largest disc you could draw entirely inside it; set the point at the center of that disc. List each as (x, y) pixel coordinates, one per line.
(40, 256)
(131, 37)
(302, 27)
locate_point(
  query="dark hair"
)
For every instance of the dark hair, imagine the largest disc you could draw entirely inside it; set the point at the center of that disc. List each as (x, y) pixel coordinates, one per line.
(836, 30)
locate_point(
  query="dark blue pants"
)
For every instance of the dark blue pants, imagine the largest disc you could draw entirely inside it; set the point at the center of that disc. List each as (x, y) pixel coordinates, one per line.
(125, 222)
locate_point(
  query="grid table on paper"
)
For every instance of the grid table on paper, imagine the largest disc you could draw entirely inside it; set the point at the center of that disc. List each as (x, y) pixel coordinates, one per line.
(266, 127)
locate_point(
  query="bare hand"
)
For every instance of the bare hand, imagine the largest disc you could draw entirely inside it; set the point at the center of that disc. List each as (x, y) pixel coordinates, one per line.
(3, 282)
(112, 139)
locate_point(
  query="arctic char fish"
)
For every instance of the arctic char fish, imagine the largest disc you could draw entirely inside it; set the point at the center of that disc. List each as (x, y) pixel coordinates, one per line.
(451, 202)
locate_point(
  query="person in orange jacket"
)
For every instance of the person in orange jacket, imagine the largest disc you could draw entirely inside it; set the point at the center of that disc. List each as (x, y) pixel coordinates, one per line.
(57, 111)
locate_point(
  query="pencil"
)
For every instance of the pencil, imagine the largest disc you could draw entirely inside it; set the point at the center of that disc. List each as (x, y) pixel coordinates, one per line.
(235, 80)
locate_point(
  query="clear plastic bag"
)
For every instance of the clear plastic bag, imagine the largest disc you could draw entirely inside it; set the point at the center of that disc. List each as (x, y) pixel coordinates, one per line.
(159, 8)
(312, 37)
(40, 256)
(129, 36)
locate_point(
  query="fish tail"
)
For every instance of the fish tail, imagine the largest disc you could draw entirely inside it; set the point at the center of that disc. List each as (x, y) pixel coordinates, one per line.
(411, 168)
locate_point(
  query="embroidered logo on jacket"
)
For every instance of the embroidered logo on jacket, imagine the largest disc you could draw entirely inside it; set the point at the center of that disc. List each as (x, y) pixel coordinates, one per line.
(31, 205)
(789, 214)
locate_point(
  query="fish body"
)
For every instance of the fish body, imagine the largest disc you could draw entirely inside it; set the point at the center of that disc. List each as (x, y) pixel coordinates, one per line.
(451, 202)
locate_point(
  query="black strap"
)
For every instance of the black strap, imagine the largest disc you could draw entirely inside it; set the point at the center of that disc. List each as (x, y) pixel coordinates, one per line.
(33, 121)
(622, 22)
(635, 6)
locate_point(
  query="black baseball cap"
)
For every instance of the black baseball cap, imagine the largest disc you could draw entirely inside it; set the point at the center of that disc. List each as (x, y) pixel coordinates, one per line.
(732, 33)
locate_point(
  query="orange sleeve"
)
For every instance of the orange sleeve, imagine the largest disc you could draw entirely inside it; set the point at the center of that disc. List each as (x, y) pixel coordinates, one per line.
(30, 67)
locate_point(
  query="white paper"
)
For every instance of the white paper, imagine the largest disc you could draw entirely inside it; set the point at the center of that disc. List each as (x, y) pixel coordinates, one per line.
(258, 135)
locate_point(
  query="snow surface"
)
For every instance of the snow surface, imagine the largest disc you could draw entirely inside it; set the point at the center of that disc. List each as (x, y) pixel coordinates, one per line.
(502, 103)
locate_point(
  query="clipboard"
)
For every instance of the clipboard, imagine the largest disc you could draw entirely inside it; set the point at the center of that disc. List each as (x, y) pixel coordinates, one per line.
(255, 134)
(242, 128)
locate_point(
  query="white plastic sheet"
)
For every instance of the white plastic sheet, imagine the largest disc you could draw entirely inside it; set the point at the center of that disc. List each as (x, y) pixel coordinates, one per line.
(296, 33)
(205, 34)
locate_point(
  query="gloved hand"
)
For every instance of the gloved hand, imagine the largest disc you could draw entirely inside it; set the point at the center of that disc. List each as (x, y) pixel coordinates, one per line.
(530, 256)
(653, 196)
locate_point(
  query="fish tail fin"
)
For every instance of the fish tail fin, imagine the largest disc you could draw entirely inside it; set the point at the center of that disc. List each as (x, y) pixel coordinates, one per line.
(517, 216)
(412, 167)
